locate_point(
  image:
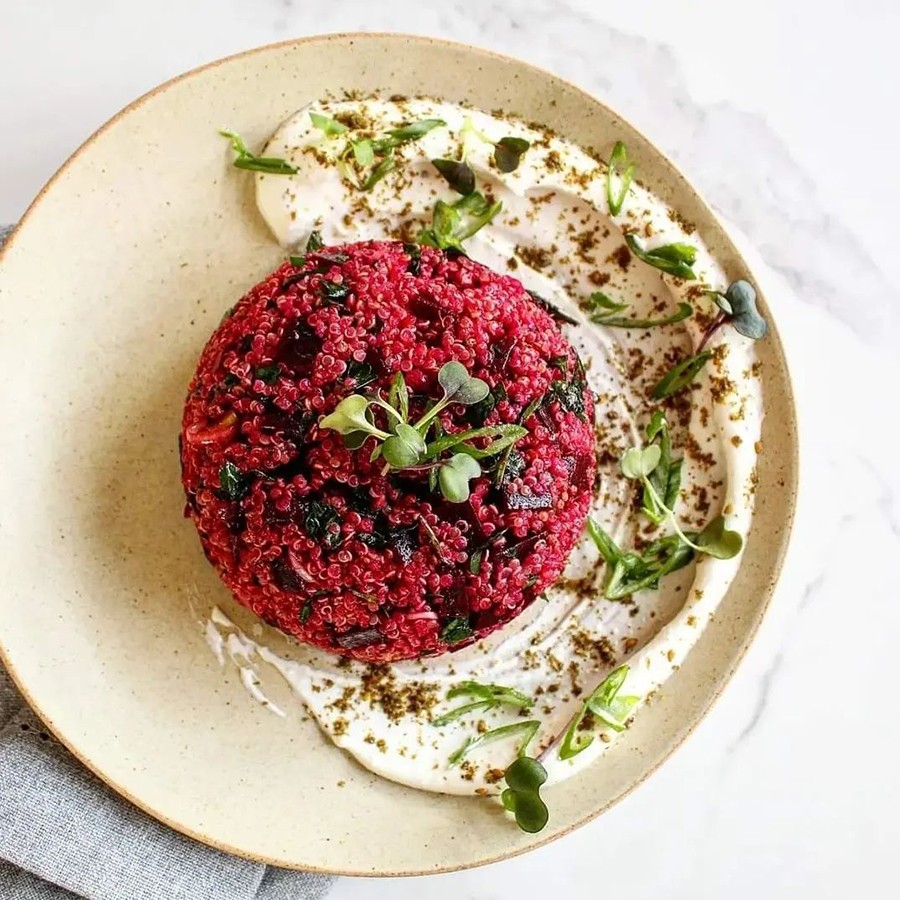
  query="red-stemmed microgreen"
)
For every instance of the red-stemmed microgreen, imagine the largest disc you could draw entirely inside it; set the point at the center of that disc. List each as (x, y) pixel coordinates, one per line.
(737, 307)
(508, 153)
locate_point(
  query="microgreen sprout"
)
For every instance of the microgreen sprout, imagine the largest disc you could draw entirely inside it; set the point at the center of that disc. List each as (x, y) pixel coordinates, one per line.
(508, 152)
(659, 473)
(404, 445)
(454, 477)
(522, 795)
(737, 307)
(638, 463)
(666, 476)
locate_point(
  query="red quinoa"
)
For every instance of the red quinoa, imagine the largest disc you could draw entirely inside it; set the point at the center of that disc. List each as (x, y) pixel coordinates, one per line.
(311, 536)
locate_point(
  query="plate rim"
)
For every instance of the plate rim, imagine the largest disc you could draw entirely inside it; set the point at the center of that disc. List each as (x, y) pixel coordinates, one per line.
(790, 476)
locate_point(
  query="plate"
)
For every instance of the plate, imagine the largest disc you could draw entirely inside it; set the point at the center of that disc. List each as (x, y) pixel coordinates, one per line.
(111, 285)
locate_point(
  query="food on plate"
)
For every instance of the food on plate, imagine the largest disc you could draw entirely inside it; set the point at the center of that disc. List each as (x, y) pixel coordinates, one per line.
(388, 451)
(488, 438)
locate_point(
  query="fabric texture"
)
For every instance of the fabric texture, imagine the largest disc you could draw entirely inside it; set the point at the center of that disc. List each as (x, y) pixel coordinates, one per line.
(65, 835)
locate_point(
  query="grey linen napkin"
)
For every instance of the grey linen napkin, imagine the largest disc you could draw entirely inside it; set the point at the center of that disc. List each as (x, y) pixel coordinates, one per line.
(66, 835)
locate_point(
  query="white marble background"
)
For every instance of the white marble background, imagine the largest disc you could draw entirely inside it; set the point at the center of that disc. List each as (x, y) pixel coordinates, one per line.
(784, 113)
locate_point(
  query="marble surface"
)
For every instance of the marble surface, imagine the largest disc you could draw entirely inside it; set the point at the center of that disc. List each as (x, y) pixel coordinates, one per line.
(782, 114)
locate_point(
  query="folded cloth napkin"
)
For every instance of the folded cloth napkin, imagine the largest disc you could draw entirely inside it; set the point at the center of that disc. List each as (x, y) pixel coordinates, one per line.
(65, 835)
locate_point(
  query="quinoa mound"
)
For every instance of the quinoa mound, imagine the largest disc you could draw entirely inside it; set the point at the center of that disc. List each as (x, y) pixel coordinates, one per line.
(323, 543)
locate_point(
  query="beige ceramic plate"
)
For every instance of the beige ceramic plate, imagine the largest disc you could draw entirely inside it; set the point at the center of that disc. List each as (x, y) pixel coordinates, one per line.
(108, 290)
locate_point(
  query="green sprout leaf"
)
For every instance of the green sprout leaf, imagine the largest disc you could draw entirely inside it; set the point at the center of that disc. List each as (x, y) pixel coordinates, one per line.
(454, 477)
(349, 416)
(499, 693)
(632, 572)
(522, 796)
(524, 730)
(603, 703)
(639, 572)
(681, 376)
(674, 259)
(457, 173)
(685, 311)
(314, 242)
(716, 540)
(459, 386)
(639, 463)
(405, 447)
(745, 317)
(508, 153)
(366, 161)
(608, 548)
(353, 440)
(621, 171)
(330, 126)
(245, 159)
